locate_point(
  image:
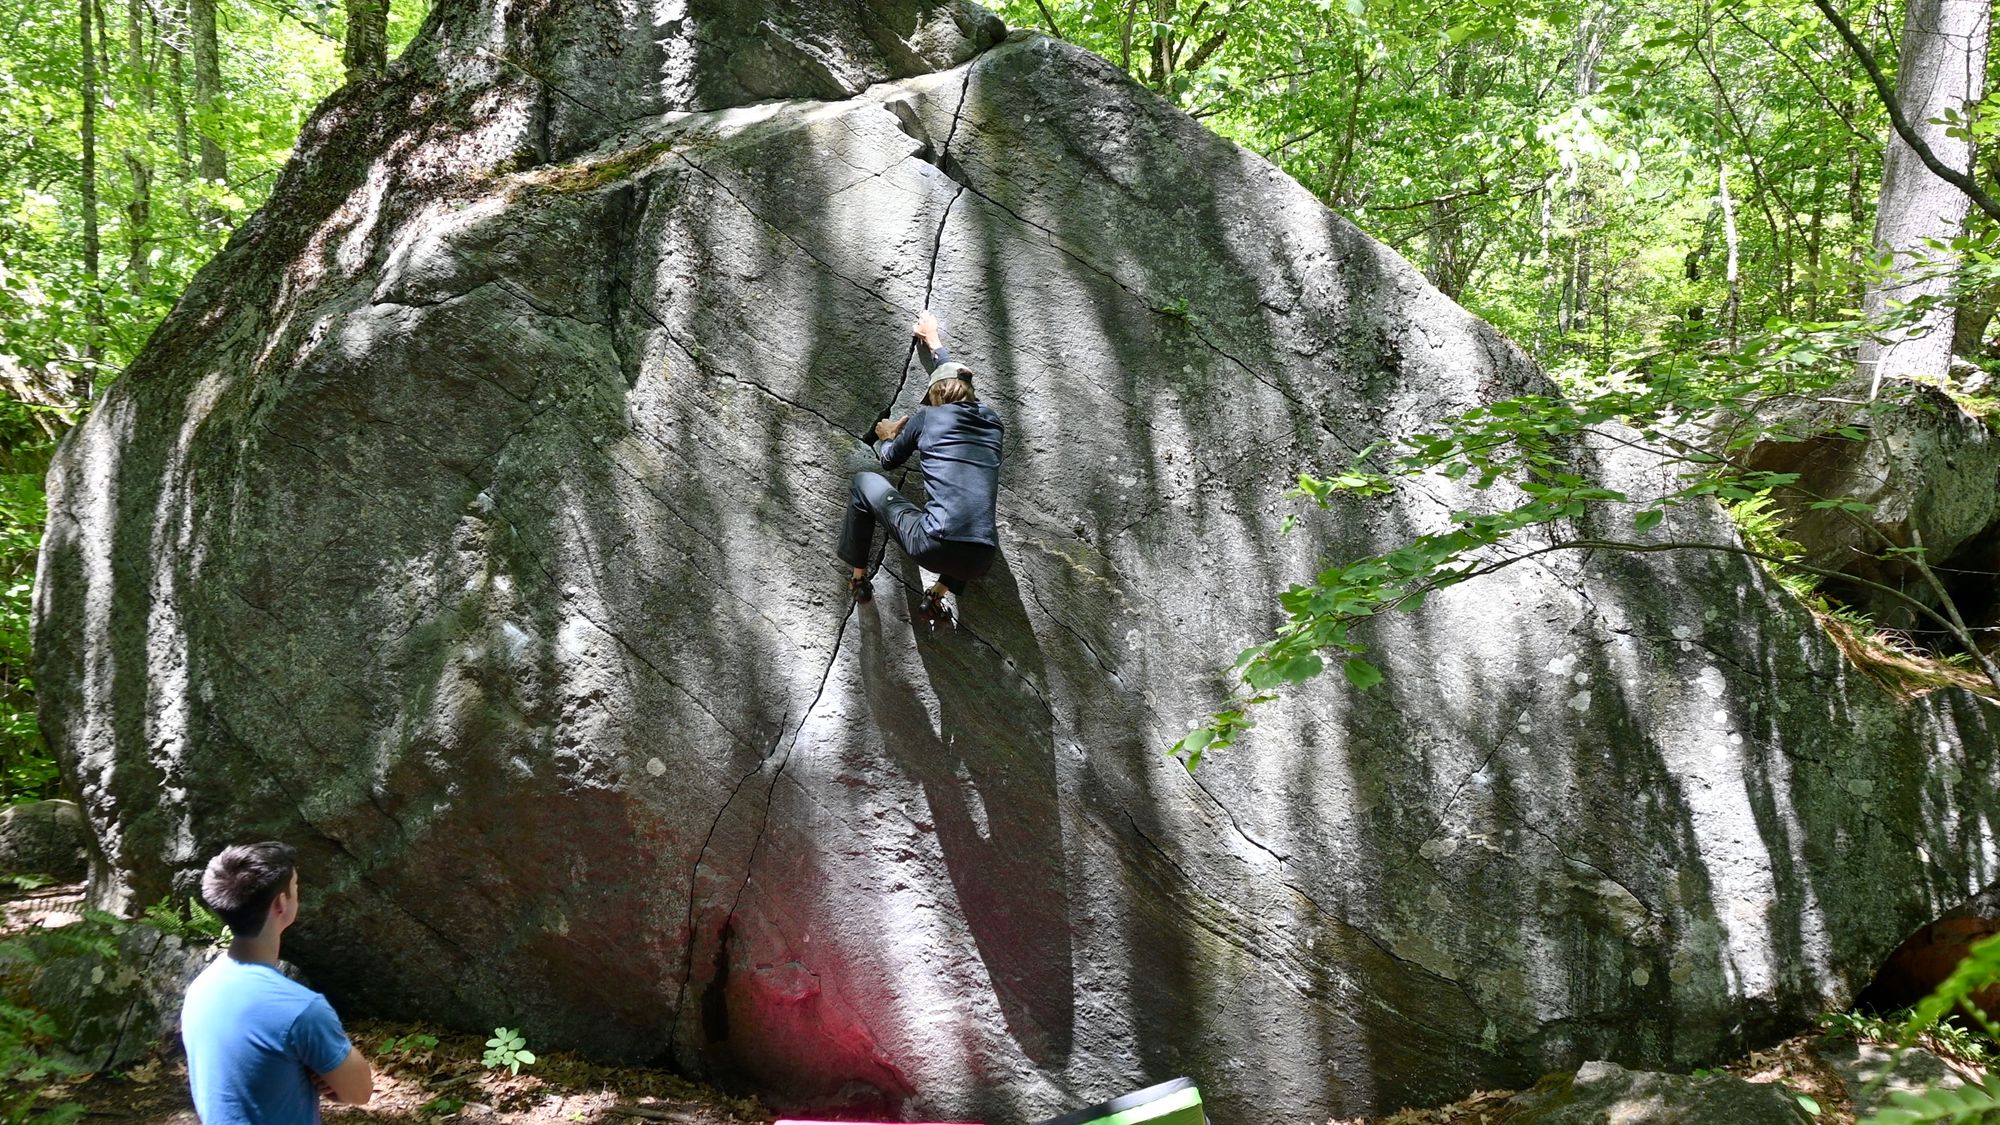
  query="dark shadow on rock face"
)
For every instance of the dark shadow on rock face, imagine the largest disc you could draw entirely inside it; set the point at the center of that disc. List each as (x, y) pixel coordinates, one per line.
(988, 774)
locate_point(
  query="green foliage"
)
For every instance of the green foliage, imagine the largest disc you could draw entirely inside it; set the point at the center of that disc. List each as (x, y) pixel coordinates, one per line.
(1694, 411)
(1974, 1102)
(29, 1064)
(188, 920)
(1629, 192)
(415, 1049)
(507, 1049)
(1556, 167)
(67, 336)
(1945, 1039)
(413, 1043)
(27, 771)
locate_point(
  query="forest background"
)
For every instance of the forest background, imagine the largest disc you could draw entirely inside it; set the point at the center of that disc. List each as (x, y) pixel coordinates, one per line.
(1605, 182)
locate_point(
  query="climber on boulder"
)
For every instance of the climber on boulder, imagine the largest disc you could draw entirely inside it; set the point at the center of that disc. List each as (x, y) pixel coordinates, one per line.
(953, 533)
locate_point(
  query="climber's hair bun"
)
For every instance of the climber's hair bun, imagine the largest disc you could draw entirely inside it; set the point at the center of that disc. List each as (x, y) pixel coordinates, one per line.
(954, 389)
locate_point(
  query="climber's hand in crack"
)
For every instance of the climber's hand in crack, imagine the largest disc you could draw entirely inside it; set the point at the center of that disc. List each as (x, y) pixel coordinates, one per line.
(926, 329)
(886, 429)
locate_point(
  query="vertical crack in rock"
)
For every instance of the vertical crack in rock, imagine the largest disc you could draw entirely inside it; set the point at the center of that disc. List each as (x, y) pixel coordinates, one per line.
(943, 164)
(782, 751)
(694, 879)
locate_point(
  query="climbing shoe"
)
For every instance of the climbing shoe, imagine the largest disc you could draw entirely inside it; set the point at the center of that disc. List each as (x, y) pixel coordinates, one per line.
(862, 589)
(940, 608)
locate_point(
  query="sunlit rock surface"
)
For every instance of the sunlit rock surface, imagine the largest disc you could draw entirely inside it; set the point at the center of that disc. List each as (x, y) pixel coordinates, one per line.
(469, 524)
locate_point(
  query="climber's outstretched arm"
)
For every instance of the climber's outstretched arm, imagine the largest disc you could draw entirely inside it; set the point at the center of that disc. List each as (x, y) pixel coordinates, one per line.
(930, 342)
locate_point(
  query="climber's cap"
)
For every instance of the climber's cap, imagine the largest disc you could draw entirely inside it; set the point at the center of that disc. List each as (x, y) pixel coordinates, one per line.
(949, 371)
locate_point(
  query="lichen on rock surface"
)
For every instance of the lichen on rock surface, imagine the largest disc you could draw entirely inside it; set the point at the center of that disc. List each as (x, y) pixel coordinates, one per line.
(469, 524)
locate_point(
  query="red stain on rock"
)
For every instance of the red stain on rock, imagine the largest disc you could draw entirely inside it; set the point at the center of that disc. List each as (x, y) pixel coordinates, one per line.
(1923, 962)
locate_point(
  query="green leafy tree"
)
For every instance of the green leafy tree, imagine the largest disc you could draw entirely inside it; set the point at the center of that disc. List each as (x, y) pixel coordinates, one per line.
(108, 205)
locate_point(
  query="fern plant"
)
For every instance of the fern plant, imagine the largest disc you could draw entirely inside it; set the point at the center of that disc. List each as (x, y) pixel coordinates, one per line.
(188, 920)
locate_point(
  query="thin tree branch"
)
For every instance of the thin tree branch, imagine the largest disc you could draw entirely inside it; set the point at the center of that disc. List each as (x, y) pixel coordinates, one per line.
(1202, 52)
(1833, 106)
(1904, 129)
(1054, 29)
(1721, 548)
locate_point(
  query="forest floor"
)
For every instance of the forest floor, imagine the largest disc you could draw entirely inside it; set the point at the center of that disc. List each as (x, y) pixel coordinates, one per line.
(447, 1084)
(427, 1074)
(1794, 1062)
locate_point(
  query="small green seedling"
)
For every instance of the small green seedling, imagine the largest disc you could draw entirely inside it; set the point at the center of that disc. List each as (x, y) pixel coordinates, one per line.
(415, 1043)
(507, 1048)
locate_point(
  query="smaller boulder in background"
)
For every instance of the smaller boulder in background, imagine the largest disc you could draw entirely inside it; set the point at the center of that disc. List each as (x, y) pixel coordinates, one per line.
(1873, 1071)
(44, 838)
(1602, 1092)
(112, 990)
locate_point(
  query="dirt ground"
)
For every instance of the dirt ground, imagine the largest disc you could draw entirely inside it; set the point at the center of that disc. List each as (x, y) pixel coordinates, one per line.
(414, 1081)
(446, 1082)
(1792, 1062)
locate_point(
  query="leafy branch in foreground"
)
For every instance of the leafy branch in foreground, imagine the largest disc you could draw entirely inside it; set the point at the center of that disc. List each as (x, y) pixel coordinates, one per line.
(1975, 1101)
(1699, 414)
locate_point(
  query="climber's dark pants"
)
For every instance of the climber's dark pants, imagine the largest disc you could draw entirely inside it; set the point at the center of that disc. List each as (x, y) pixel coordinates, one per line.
(874, 498)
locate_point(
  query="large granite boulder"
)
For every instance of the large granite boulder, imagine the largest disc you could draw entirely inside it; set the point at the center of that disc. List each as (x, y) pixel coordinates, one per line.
(470, 521)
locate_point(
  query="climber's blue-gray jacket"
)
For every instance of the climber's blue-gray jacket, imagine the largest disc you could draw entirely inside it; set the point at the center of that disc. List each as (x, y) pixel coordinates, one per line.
(960, 442)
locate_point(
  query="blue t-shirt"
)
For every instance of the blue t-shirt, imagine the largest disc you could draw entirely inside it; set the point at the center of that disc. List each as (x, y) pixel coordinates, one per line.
(254, 1040)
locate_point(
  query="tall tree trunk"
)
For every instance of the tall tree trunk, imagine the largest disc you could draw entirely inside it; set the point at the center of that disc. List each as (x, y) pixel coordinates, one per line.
(366, 51)
(93, 304)
(177, 88)
(1941, 67)
(207, 88)
(138, 162)
(1815, 280)
(1732, 306)
(1583, 219)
